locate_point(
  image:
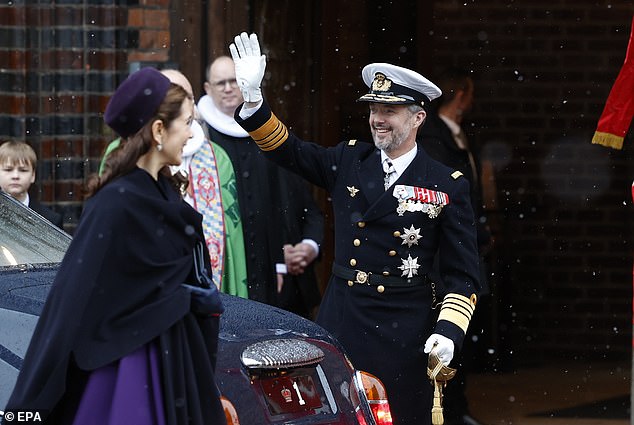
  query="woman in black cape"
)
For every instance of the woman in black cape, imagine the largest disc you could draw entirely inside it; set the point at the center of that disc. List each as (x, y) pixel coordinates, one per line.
(126, 335)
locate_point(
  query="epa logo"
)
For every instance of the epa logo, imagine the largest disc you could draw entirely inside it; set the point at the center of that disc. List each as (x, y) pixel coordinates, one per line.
(21, 416)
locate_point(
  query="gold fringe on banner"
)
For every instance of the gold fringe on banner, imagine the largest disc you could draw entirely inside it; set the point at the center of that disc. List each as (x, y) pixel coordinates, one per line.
(608, 140)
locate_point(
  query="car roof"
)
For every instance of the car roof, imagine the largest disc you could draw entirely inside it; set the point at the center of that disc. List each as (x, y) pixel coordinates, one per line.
(26, 237)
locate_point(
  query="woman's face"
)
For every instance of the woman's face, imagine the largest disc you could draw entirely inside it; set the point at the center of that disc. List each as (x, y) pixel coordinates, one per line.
(178, 133)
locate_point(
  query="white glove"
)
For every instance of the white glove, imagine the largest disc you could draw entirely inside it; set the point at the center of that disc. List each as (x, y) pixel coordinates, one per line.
(250, 65)
(443, 345)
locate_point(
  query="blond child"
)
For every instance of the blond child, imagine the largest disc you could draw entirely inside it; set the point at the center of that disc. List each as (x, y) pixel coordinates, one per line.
(17, 174)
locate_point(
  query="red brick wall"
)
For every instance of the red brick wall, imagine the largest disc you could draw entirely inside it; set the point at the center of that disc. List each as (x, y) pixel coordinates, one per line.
(60, 63)
(543, 69)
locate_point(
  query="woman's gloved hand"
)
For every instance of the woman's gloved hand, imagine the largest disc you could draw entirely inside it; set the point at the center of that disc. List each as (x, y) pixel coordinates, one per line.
(205, 301)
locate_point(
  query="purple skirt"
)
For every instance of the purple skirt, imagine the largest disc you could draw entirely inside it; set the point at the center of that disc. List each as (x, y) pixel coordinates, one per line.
(127, 391)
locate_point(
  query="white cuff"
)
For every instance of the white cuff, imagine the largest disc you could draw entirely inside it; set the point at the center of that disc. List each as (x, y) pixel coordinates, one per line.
(280, 268)
(312, 243)
(246, 111)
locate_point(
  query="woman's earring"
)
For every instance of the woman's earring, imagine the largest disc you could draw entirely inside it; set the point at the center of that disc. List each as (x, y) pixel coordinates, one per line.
(159, 147)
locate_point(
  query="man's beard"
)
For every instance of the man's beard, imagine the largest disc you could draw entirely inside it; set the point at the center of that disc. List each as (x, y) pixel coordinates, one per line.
(391, 143)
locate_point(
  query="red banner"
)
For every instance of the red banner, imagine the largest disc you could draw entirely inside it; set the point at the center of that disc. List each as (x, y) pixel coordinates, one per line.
(619, 108)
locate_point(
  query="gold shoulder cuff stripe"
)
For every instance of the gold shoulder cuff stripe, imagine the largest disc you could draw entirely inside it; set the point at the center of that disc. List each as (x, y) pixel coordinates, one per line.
(271, 135)
(458, 310)
(352, 142)
(456, 174)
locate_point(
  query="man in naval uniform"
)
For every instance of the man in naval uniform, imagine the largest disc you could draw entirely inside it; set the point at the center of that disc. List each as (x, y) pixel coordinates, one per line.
(394, 208)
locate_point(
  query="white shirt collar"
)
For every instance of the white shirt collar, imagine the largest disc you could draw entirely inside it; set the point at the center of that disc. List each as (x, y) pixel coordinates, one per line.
(402, 162)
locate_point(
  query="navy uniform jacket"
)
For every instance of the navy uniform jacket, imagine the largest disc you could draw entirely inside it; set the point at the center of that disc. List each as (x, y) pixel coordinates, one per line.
(383, 326)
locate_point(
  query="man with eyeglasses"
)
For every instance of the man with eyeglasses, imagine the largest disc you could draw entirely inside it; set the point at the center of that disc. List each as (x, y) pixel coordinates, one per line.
(282, 225)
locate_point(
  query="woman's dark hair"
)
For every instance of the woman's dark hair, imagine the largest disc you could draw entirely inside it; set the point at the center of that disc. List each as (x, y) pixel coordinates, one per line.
(123, 159)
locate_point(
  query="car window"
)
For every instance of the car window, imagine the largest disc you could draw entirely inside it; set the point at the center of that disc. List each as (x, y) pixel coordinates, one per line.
(26, 237)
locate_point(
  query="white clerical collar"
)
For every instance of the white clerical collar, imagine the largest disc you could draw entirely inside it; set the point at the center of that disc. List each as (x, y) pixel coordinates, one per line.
(402, 162)
(222, 122)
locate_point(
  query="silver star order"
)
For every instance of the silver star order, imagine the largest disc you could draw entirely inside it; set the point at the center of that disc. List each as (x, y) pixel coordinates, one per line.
(409, 267)
(353, 190)
(411, 236)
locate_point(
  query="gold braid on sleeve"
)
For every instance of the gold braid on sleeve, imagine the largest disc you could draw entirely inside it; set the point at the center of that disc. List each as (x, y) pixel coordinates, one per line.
(271, 135)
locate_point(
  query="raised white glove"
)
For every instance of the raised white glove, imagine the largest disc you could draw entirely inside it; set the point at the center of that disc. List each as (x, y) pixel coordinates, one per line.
(444, 347)
(250, 65)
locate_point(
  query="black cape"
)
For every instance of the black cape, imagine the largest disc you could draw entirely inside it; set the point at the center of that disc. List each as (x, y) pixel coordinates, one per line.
(118, 288)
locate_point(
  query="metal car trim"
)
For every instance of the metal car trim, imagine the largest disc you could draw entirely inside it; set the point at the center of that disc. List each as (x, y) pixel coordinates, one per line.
(280, 353)
(327, 390)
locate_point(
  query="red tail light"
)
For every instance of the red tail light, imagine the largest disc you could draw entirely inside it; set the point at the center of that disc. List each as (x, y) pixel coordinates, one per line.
(230, 412)
(372, 393)
(381, 413)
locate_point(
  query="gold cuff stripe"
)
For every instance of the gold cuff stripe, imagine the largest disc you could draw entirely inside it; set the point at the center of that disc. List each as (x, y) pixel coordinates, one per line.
(461, 299)
(275, 139)
(458, 310)
(454, 317)
(271, 135)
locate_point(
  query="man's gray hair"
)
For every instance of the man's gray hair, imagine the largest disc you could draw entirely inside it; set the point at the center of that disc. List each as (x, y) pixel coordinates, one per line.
(414, 108)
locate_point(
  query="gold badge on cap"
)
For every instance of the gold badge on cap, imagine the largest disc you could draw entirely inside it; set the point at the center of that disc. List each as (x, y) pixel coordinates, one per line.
(353, 190)
(381, 82)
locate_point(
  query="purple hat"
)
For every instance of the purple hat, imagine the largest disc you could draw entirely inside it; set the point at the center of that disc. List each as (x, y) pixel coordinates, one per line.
(136, 101)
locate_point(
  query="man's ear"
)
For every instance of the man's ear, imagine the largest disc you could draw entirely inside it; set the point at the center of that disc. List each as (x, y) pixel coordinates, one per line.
(419, 118)
(158, 129)
(459, 99)
(207, 87)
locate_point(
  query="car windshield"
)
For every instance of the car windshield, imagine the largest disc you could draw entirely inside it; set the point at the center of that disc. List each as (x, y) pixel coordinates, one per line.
(26, 237)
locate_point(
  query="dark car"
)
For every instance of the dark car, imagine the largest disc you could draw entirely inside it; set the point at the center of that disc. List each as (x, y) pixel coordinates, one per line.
(274, 367)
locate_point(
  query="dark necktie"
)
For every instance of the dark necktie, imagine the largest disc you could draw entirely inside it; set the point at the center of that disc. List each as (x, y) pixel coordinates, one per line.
(390, 172)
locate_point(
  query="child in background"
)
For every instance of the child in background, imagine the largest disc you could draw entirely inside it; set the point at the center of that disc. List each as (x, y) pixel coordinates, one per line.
(17, 174)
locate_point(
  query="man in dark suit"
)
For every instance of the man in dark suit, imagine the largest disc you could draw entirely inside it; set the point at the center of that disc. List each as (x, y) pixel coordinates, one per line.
(394, 208)
(17, 174)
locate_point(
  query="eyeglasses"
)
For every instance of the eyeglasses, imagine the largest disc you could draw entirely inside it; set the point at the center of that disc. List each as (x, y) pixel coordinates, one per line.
(220, 85)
